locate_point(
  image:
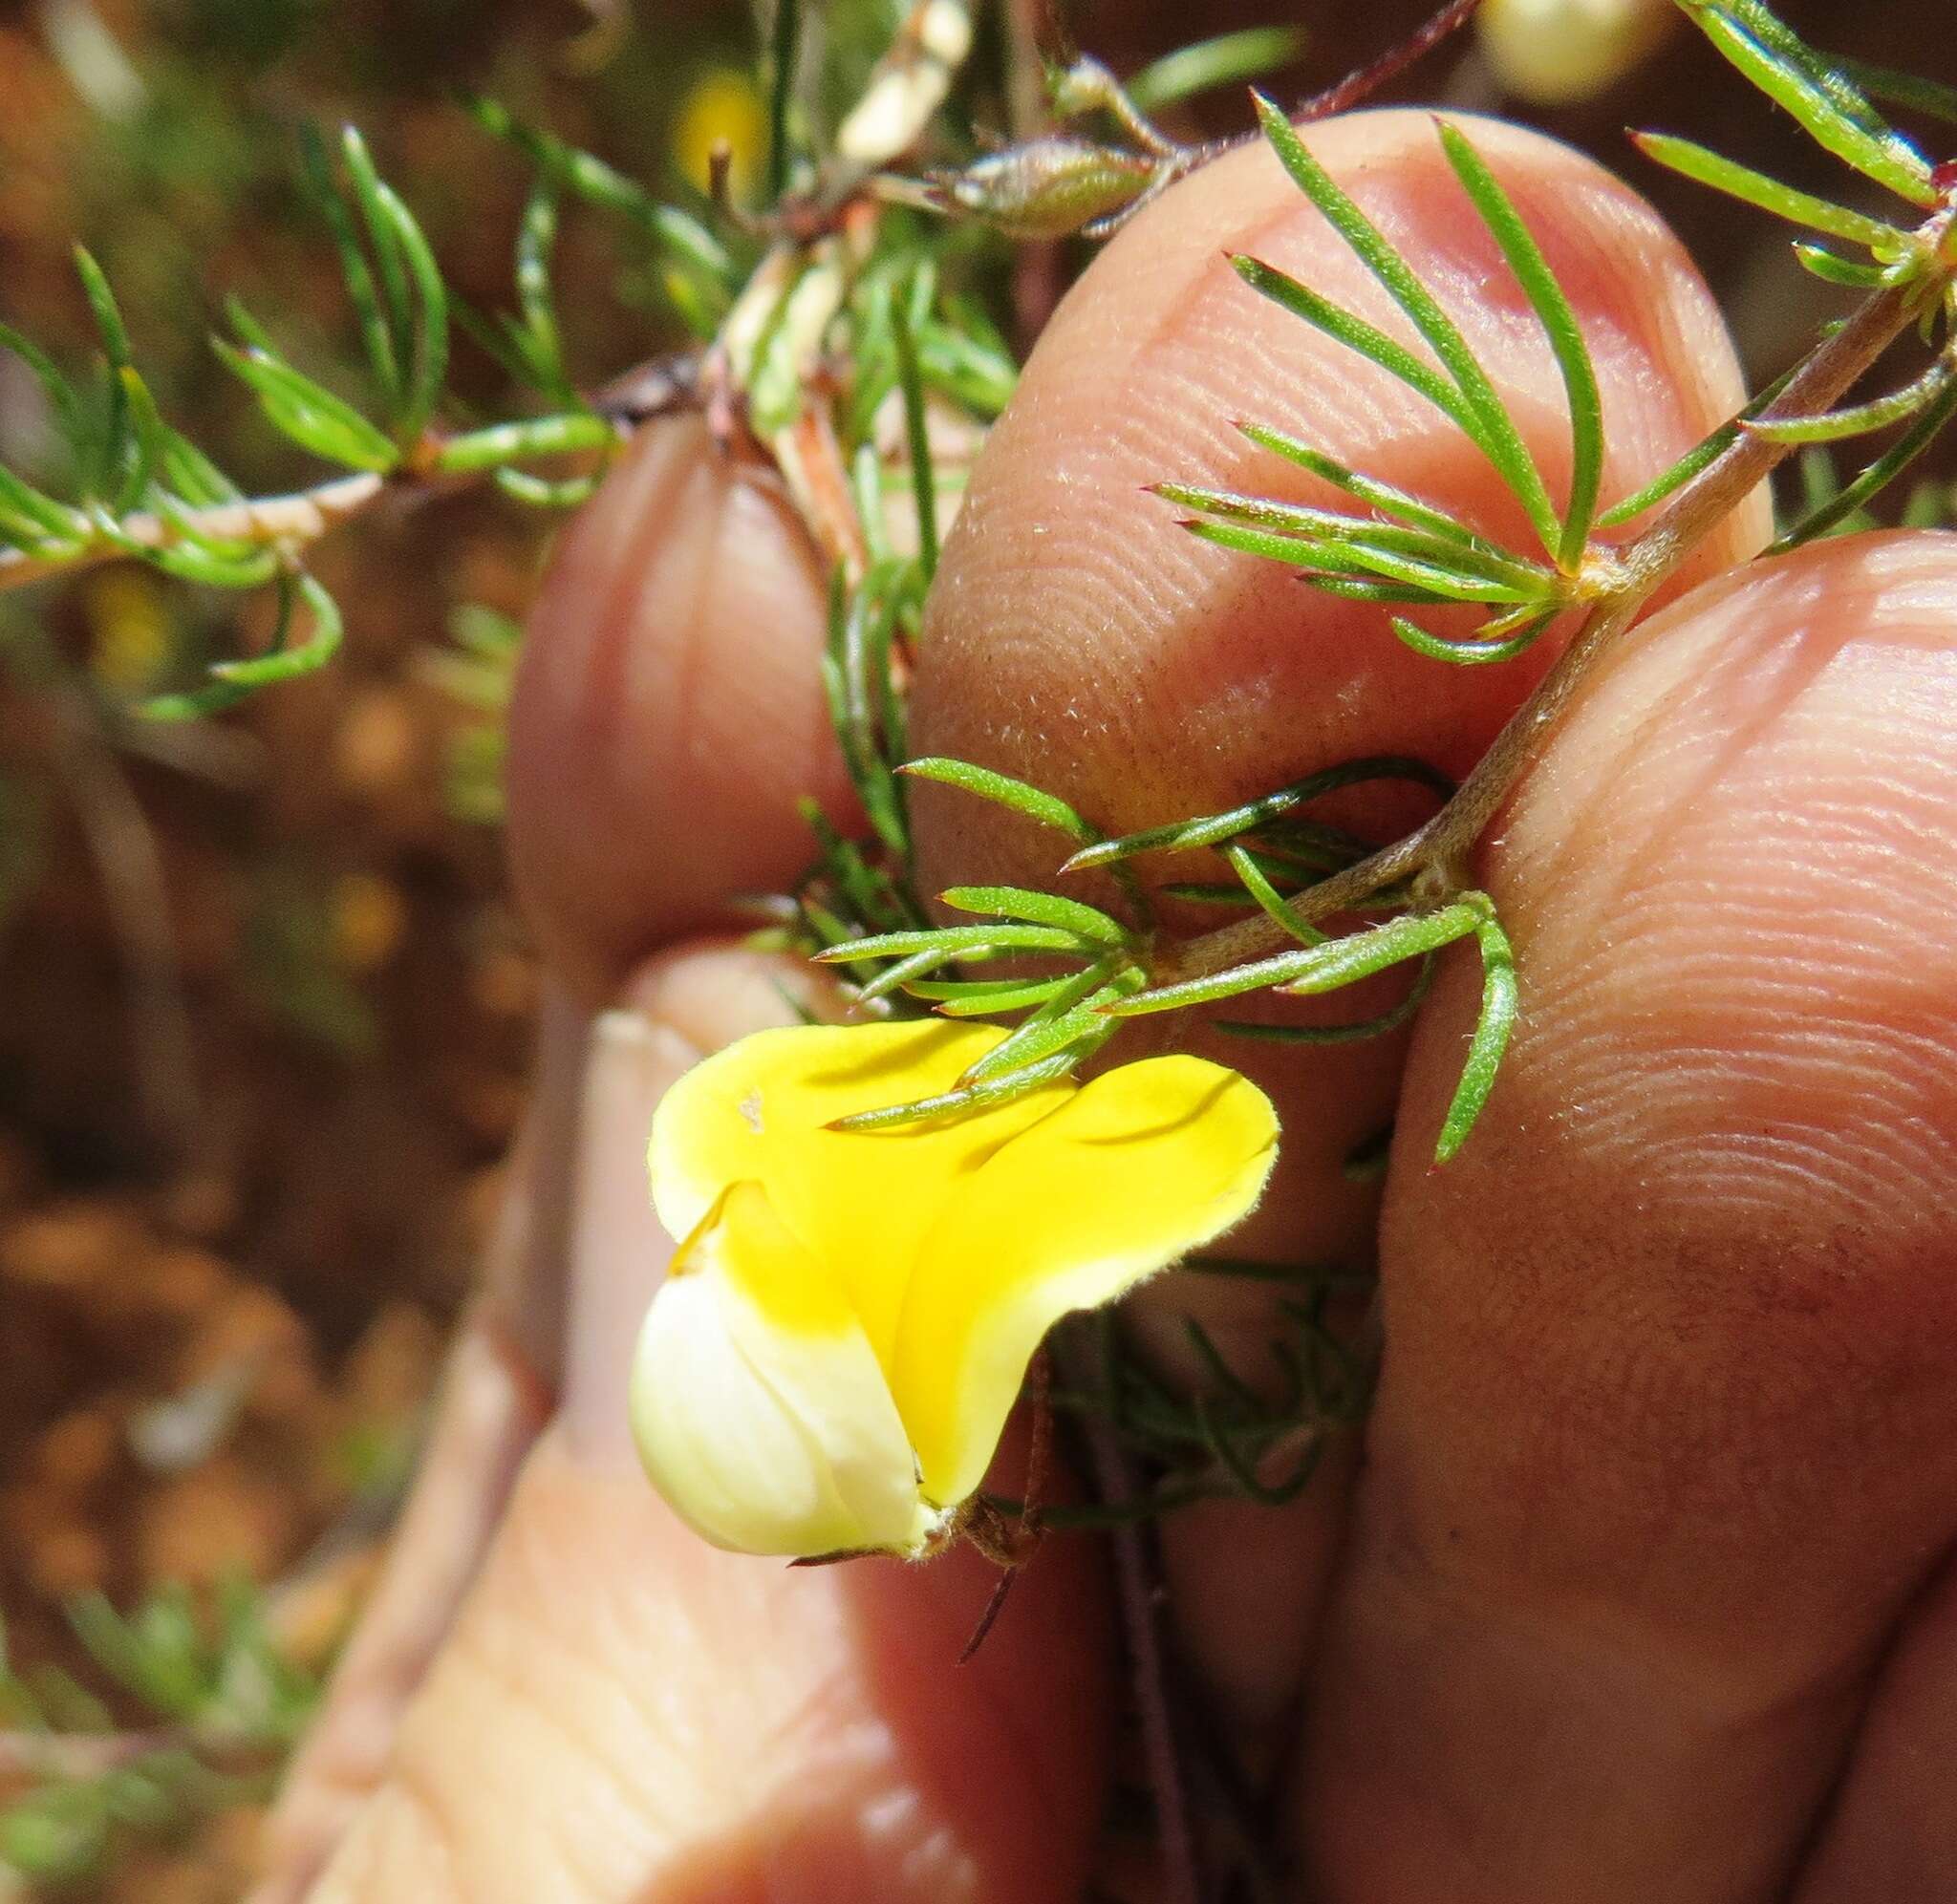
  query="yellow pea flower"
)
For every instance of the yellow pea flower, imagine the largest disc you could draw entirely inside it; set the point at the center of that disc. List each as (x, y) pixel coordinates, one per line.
(846, 1323)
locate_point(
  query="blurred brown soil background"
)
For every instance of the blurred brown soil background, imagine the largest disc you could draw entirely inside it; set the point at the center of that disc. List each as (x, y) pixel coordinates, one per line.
(264, 1002)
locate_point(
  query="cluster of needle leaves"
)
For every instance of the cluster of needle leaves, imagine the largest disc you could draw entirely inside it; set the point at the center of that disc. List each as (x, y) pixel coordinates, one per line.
(196, 1710)
(1094, 967)
(136, 487)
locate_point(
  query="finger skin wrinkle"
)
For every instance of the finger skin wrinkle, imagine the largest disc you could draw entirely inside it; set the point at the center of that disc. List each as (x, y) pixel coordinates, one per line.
(669, 1761)
(1769, 947)
(401, 1847)
(1891, 1832)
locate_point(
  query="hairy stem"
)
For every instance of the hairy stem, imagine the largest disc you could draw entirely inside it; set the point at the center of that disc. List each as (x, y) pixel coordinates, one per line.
(1434, 855)
(270, 522)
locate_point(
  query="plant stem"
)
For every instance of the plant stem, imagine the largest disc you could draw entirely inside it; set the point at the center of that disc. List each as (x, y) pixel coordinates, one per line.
(1434, 855)
(1138, 1589)
(275, 519)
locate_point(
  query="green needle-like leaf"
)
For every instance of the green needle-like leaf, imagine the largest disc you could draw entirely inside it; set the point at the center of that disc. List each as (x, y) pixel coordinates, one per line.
(1827, 75)
(1492, 427)
(1257, 882)
(186, 562)
(1354, 589)
(1390, 1021)
(785, 43)
(1495, 643)
(906, 316)
(284, 662)
(1878, 475)
(119, 470)
(866, 492)
(193, 476)
(27, 516)
(1357, 334)
(898, 977)
(1039, 908)
(1559, 324)
(1322, 968)
(1369, 549)
(520, 442)
(428, 356)
(966, 940)
(1757, 188)
(537, 492)
(148, 434)
(1859, 418)
(1469, 556)
(308, 413)
(1908, 90)
(1829, 109)
(1491, 1037)
(316, 174)
(1381, 496)
(1230, 59)
(1341, 962)
(1851, 274)
(1002, 790)
(536, 238)
(865, 706)
(1070, 1017)
(983, 997)
(873, 897)
(383, 236)
(1210, 830)
(981, 1095)
(1707, 451)
(232, 681)
(101, 302)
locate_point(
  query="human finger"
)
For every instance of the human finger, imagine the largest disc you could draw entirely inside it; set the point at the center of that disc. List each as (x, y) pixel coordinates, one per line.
(1660, 1456)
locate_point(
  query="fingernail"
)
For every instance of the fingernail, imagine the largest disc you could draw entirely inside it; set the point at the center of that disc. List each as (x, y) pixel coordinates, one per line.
(619, 1250)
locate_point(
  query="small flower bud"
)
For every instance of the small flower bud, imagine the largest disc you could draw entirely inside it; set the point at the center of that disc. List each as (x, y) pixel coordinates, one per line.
(1048, 188)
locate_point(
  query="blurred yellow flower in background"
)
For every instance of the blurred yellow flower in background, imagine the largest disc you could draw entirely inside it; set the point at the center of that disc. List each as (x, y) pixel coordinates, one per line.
(131, 633)
(722, 104)
(1554, 52)
(849, 1315)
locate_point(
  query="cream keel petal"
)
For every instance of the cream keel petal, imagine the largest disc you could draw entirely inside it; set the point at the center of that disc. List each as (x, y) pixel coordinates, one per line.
(1148, 1161)
(760, 1412)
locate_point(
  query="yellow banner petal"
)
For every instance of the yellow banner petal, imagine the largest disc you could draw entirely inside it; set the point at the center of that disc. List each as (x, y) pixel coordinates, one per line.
(860, 1201)
(1145, 1164)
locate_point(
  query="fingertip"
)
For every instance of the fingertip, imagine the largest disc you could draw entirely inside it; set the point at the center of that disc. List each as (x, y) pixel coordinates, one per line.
(669, 711)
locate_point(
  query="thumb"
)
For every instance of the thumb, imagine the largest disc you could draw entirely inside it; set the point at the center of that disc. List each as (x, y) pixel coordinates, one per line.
(624, 1713)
